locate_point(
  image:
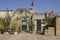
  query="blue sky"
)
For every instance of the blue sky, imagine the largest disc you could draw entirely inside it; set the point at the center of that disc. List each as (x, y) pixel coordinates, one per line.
(39, 5)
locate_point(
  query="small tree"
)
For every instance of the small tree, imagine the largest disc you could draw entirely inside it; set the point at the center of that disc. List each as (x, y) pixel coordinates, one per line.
(7, 21)
(2, 27)
(48, 20)
(15, 26)
(31, 24)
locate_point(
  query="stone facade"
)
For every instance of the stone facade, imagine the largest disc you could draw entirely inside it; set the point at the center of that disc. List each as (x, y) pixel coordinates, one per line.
(23, 16)
(58, 25)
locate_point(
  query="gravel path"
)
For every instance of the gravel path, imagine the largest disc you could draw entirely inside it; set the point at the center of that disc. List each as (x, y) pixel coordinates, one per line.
(28, 36)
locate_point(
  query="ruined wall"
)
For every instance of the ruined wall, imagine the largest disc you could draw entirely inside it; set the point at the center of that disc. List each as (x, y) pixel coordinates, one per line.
(58, 25)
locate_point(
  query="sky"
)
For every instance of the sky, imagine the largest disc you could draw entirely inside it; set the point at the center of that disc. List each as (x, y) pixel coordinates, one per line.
(40, 6)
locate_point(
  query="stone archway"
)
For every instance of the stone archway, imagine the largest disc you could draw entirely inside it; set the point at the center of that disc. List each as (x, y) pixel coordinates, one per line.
(24, 25)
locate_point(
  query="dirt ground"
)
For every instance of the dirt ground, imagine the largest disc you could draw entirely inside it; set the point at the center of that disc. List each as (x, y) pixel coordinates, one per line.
(28, 36)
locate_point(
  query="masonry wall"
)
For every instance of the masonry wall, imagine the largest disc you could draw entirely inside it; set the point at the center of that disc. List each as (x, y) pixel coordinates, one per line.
(58, 25)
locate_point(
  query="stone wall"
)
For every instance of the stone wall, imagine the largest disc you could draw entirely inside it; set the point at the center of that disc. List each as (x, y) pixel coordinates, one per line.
(58, 25)
(49, 31)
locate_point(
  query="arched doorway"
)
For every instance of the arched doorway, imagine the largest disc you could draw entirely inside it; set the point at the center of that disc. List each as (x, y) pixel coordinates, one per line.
(24, 25)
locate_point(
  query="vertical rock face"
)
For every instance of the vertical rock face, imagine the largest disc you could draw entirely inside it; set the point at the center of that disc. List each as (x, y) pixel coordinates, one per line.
(58, 25)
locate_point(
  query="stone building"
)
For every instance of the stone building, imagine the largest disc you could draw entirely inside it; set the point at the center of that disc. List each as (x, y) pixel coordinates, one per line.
(24, 17)
(37, 18)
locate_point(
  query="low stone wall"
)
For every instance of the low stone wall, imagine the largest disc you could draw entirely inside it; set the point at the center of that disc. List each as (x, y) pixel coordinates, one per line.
(49, 31)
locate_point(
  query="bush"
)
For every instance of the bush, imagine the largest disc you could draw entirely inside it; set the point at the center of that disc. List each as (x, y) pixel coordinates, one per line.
(2, 27)
(15, 26)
